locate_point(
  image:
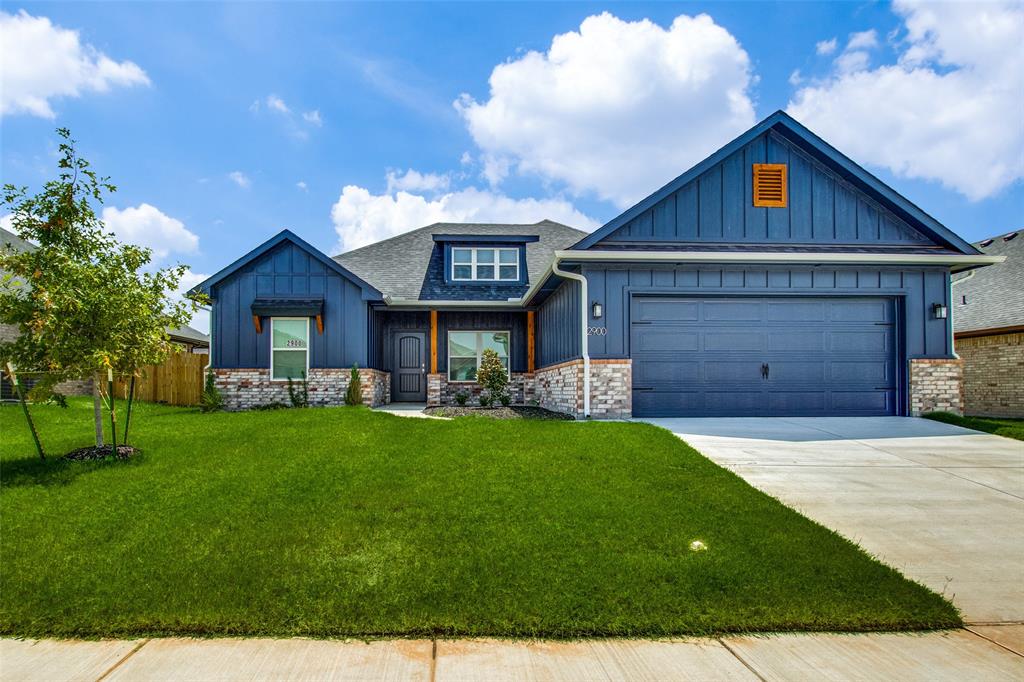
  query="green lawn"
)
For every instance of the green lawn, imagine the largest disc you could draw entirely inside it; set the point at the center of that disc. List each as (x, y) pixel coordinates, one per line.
(332, 522)
(1010, 428)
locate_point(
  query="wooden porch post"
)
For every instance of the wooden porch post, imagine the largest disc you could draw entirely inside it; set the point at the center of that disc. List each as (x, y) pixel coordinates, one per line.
(433, 342)
(531, 364)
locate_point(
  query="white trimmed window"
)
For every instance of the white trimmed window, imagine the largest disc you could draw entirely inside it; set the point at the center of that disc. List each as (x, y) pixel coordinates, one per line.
(466, 348)
(473, 264)
(289, 348)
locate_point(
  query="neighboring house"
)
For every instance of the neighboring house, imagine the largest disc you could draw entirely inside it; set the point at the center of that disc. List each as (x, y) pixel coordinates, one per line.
(192, 340)
(776, 277)
(988, 324)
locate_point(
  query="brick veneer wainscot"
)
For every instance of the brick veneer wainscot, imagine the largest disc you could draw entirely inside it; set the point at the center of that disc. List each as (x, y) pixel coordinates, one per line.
(993, 374)
(246, 388)
(560, 388)
(440, 391)
(936, 385)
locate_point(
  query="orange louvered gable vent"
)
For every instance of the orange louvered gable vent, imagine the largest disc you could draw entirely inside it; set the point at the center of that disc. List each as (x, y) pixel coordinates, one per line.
(770, 185)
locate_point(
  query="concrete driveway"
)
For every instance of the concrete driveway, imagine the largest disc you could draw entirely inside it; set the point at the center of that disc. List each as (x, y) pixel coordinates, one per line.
(942, 504)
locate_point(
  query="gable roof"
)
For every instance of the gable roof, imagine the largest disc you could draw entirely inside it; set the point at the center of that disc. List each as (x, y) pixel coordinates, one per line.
(206, 286)
(399, 266)
(9, 240)
(189, 334)
(800, 136)
(995, 295)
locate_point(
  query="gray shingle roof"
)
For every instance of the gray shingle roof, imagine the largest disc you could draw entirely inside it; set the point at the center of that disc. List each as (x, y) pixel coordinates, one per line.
(12, 241)
(994, 294)
(398, 266)
(189, 334)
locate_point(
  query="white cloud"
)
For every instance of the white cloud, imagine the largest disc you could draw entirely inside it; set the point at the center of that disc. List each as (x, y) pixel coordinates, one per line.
(796, 78)
(275, 103)
(301, 184)
(826, 47)
(146, 225)
(361, 218)
(948, 111)
(240, 179)
(414, 181)
(40, 62)
(849, 62)
(616, 108)
(863, 40)
(313, 118)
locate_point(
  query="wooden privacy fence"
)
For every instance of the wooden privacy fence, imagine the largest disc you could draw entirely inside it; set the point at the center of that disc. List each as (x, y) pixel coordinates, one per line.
(178, 381)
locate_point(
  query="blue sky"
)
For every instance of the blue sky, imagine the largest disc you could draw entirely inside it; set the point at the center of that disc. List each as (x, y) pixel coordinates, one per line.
(209, 116)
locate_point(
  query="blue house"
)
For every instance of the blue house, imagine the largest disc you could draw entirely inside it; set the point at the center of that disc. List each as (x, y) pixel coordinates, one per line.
(776, 277)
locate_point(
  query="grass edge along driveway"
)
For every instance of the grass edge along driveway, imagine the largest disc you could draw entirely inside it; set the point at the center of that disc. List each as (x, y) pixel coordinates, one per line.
(344, 522)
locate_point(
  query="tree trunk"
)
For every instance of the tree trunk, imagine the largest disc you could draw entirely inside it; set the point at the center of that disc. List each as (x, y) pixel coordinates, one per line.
(97, 410)
(113, 412)
(128, 416)
(24, 406)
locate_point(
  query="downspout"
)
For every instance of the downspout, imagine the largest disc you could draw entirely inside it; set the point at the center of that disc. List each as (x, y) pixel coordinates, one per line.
(952, 322)
(584, 339)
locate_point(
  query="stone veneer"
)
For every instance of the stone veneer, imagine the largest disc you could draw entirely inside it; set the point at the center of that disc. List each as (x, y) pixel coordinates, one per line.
(993, 374)
(440, 391)
(936, 385)
(560, 388)
(246, 388)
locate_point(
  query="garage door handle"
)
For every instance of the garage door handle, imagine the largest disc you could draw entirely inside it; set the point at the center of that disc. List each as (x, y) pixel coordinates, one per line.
(767, 370)
(764, 370)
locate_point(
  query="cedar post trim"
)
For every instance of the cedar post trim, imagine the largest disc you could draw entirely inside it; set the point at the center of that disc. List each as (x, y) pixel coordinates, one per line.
(320, 324)
(531, 363)
(433, 342)
(256, 323)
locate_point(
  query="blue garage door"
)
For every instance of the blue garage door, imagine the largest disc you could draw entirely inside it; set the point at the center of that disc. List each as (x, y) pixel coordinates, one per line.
(763, 356)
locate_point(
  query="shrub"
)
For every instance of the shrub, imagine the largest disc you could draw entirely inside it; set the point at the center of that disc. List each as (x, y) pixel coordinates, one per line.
(485, 400)
(460, 398)
(299, 397)
(505, 398)
(211, 400)
(492, 375)
(354, 394)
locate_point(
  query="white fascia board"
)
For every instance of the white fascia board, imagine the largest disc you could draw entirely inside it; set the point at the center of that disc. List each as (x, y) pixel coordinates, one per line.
(806, 258)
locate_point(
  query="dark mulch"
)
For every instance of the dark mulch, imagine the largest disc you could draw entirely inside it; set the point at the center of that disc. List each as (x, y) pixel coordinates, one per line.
(100, 452)
(510, 412)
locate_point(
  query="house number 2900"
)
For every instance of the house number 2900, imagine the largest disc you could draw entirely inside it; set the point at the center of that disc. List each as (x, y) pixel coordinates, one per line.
(597, 331)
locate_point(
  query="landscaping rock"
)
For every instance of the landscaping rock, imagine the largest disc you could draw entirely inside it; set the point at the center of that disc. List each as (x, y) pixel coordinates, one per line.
(102, 452)
(511, 412)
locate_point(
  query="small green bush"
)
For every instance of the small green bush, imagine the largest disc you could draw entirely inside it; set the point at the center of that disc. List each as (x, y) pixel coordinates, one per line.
(485, 400)
(211, 399)
(299, 396)
(354, 394)
(460, 398)
(505, 398)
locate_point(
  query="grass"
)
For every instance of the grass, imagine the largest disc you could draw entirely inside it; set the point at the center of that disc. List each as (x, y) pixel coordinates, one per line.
(1010, 428)
(344, 522)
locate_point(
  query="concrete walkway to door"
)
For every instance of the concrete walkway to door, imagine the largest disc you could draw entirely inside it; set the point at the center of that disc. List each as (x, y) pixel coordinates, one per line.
(942, 504)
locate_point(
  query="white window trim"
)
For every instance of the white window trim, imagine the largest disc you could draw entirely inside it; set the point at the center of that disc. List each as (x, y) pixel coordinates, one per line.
(294, 350)
(473, 263)
(479, 351)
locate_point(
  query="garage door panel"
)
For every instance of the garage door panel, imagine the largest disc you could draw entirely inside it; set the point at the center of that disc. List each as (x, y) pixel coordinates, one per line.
(651, 372)
(803, 401)
(667, 310)
(797, 311)
(785, 341)
(734, 341)
(704, 357)
(666, 339)
(874, 341)
(733, 311)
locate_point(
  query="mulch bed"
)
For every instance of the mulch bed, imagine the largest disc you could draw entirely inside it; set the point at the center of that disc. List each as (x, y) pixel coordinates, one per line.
(102, 452)
(510, 412)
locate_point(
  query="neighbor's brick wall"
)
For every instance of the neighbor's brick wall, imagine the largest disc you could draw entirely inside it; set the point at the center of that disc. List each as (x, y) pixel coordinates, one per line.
(993, 375)
(9, 332)
(246, 388)
(560, 388)
(442, 392)
(936, 385)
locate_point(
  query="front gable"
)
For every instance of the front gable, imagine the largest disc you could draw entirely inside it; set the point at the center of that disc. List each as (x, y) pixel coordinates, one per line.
(829, 202)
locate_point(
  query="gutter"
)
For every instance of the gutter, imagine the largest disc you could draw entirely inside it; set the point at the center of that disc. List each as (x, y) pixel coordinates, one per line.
(956, 261)
(584, 339)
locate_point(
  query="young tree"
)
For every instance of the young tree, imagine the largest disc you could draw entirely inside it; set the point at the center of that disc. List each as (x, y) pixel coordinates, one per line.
(354, 393)
(84, 304)
(492, 375)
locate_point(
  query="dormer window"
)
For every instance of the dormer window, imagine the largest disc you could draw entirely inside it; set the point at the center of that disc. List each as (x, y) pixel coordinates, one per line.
(485, 264)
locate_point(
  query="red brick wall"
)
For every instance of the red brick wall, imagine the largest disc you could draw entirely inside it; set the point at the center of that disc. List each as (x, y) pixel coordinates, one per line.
(993, 374)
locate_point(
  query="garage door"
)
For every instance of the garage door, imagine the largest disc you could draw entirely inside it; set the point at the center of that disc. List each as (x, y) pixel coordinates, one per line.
(763, 356)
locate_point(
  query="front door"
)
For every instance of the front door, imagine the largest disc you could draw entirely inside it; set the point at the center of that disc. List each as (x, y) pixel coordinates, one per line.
(409, 373)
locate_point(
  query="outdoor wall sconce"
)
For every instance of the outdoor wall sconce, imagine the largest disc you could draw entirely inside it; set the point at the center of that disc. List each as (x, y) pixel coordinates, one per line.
(596, 309)
(940, 311)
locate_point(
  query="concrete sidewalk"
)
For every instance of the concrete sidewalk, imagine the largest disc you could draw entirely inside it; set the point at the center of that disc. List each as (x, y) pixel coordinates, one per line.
(976, 653)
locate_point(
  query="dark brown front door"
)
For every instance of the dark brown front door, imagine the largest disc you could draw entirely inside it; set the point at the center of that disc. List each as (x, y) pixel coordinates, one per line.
(409, 375)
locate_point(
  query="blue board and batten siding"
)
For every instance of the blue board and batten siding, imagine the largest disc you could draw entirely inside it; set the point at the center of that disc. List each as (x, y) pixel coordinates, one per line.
(558, 326)
(718, 206)
(288, 270)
